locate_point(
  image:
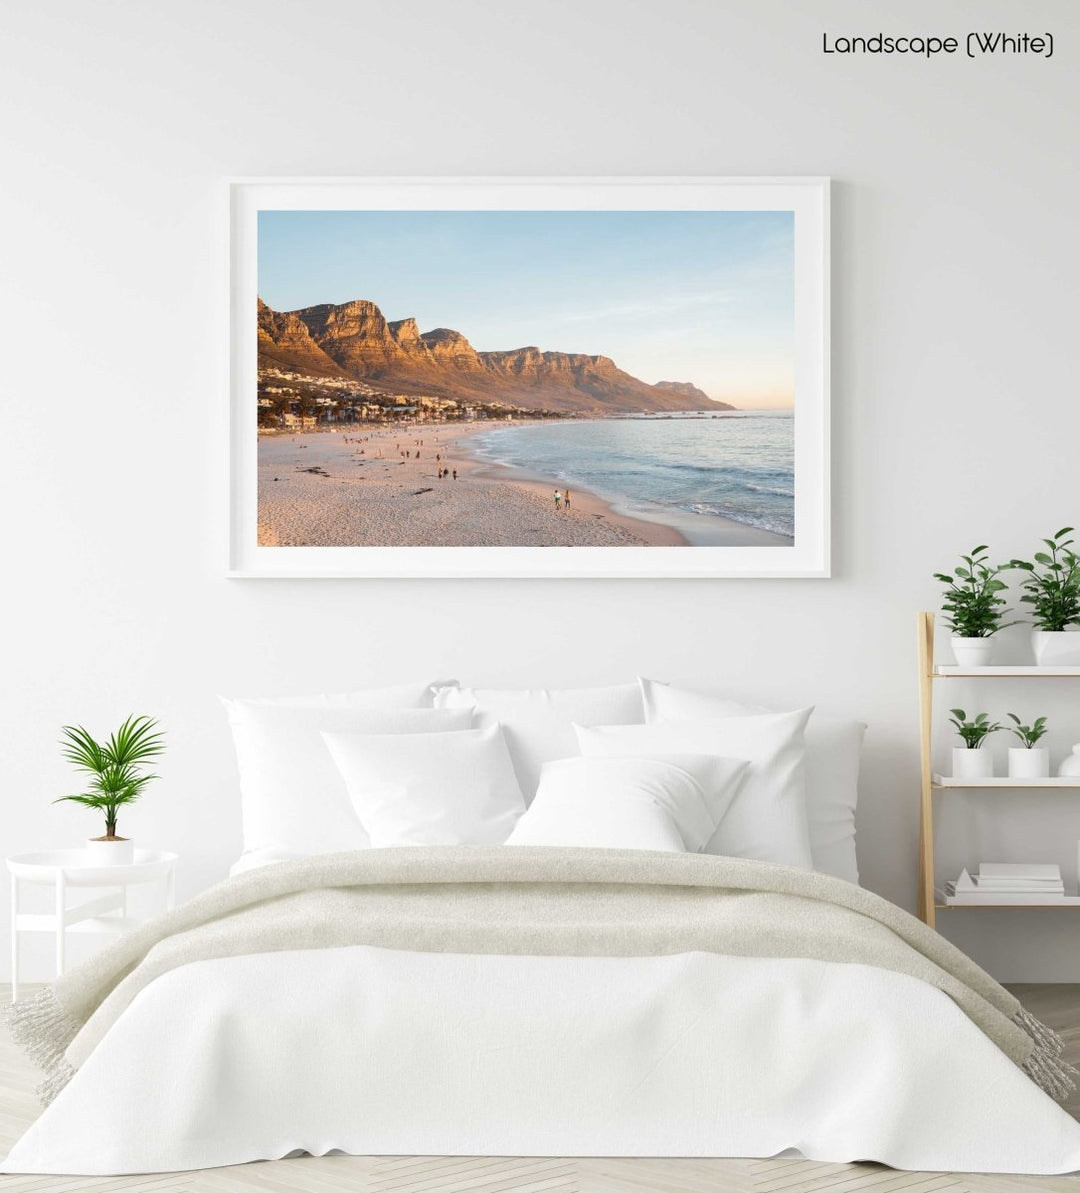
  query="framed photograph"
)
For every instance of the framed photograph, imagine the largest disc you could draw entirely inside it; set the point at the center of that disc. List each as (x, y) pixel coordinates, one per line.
(529, 377)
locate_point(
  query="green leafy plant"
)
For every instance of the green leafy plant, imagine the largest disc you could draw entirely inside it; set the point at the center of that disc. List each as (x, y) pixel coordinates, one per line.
(115, 766)
(973, 732)
(1052, 587)
(1028, 734)
(973, 603)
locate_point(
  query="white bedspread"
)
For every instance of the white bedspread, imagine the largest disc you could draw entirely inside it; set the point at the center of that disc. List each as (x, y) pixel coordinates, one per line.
(375, 1051)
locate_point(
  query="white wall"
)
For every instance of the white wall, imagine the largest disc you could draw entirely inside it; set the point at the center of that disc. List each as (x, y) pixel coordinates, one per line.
(956, 416)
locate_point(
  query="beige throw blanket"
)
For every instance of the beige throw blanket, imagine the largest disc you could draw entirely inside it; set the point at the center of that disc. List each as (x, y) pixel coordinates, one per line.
(526, 901)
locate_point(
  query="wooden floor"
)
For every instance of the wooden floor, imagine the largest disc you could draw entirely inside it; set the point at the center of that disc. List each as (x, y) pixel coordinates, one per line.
(1058, 1006)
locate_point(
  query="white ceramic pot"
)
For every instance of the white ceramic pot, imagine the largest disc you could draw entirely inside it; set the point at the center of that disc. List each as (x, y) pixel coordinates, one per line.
(1070, 764)
(1056, 648)
(1029, 764)
(972, 652)
(117, 852)
(972, 764)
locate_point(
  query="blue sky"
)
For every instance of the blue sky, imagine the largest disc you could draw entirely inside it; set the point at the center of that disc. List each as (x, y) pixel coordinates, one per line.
(705, 297)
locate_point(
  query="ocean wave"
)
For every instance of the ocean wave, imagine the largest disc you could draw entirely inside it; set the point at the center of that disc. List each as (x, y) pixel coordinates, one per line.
(773, 489)
(748, 477)
(759, 521)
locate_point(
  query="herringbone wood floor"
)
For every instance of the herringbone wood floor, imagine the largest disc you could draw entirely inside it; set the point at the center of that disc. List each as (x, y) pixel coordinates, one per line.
(1057, 1005)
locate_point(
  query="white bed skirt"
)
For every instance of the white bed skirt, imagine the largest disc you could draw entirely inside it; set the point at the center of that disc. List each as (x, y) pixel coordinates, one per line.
(379, 1052)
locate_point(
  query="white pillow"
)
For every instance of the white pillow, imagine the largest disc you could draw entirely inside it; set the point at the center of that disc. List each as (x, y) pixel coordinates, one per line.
(539, 722)
(767, 818)
(833, 750)
(431, 788)
(292, 796)
(405, 695)
(672, 803)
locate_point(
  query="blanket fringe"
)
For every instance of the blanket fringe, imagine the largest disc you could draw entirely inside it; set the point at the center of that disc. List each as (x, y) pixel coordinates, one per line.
(43, 1030)
(1046, 1065)
(48, 1089)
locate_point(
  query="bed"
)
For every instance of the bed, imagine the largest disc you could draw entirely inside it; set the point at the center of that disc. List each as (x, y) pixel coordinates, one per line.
(607, 966)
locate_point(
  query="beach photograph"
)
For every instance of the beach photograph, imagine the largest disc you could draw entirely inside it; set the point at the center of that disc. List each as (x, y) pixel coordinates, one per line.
(526, 378)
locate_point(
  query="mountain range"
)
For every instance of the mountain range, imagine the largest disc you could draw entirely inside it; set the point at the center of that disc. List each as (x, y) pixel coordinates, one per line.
(353, 340)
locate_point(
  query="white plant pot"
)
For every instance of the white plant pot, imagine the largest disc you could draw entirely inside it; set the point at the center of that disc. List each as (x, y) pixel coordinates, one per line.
(1056, 648)
(972, 652)
(972, 764)
(1029, 764)
(120, 852)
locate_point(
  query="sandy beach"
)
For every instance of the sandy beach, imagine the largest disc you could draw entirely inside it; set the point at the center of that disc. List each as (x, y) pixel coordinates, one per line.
(354, 487)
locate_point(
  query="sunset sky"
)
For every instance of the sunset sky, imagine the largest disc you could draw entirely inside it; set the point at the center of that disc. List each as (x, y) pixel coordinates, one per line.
(695, 296)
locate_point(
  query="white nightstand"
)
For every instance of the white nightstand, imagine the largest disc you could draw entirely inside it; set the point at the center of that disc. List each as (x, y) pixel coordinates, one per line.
(64, 869)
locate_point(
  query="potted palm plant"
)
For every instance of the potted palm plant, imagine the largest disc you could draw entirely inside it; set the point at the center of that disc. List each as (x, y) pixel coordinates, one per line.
(117, 778)
(970, 761)
(1052, 589)
(973, 607)
(1029, 760)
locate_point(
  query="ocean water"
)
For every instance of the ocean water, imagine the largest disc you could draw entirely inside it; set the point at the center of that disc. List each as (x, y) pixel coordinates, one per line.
(737, 464)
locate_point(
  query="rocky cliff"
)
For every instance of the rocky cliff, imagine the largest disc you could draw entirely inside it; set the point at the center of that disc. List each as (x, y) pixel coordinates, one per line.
(691, 392)
(286, 343)
(353, 339)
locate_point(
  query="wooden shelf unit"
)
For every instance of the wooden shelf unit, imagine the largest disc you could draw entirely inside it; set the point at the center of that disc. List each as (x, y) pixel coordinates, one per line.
(929, 672)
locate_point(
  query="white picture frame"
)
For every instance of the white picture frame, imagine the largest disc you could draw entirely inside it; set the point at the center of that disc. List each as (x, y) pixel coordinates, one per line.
(806, 197)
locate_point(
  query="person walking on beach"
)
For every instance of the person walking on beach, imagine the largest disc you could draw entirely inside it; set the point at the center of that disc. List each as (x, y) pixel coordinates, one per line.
(455, 474)
(566, 499)
(558, 500)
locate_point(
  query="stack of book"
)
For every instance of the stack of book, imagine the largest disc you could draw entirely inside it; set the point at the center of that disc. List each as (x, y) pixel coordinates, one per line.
(1007, 882)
